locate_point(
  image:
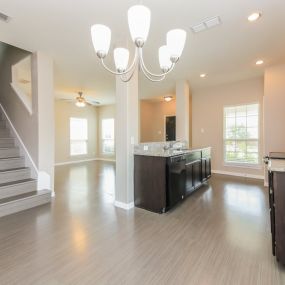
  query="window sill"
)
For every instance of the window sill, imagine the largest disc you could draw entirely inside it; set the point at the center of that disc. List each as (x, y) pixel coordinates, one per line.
(78, 155)
(241, 165)
(108, 153)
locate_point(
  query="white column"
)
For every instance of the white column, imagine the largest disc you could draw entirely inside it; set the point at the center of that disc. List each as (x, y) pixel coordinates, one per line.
(127, 133)
(182, 110)
(45, 94)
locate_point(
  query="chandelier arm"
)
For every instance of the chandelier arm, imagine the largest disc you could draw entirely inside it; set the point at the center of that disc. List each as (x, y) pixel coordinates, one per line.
(123, 76)
(149, 76)
(150, 73)
(124, 72)
(129, 78)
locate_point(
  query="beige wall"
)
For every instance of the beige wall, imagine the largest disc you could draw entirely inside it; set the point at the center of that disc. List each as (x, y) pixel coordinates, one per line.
(104, 112)
(274, 104)
(152, 119)
(190, 119)
(63, 112)
(208, 116)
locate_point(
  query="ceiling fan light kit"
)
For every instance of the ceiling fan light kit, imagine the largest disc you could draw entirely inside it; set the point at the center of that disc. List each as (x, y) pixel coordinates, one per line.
(139, 18)
(80, 101)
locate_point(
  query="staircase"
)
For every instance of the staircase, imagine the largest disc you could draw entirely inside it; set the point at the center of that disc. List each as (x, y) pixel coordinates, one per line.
(18, 191)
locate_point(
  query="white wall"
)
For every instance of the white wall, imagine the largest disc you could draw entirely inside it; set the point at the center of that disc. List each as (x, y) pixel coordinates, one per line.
(208, 115)
(46, 138)
(63, 112)
(182, 111)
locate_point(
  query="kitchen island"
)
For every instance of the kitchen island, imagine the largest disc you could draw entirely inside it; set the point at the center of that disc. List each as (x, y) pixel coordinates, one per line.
(163, 178)
(276, 177)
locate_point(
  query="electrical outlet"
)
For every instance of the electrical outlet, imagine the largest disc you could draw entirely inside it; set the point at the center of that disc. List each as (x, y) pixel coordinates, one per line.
(145, 147)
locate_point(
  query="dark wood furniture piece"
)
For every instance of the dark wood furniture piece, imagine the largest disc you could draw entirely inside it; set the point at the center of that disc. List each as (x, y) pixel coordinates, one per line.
(276, 180)
(161, 182)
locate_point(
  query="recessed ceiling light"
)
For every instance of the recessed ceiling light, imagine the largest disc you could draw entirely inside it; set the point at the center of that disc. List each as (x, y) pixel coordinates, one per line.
(254, 16)
(203, 75)
(259, 62)
(168, 98)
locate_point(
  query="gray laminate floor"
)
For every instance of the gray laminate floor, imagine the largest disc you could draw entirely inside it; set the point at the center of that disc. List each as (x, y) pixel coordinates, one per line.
(218, 236)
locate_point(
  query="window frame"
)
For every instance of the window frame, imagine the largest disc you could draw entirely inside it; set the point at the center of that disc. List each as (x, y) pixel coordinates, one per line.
(103, 139)
(77, 140)
(242, 164)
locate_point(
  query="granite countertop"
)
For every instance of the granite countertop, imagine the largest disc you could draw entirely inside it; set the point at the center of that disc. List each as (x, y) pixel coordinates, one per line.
(276, 165)
(166, 153)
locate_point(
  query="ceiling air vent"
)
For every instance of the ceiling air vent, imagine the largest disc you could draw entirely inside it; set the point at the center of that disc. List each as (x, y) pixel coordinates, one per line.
(206, 24)
(4, 18)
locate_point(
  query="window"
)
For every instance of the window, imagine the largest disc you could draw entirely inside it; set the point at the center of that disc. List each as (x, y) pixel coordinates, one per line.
(108, 136)
(78, 136)
(241, 134)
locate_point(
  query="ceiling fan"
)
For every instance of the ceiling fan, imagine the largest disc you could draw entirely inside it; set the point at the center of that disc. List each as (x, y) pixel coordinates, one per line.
(81, 101)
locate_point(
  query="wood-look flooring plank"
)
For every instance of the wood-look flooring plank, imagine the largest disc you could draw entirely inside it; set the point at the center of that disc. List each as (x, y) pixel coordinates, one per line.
(220, 235)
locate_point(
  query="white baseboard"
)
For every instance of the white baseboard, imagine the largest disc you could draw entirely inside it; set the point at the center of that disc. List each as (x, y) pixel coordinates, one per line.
(245, 175)
(83, 160)
(124, 206)
(106, 159)
(28, 159)
(75, 161)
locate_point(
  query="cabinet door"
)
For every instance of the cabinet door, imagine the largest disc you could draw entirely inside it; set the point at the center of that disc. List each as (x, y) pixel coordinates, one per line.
(204, 174)
(272, 210)
(189, 177)
(176, 183)
(279, 206)
(208, 167)
(197, 179)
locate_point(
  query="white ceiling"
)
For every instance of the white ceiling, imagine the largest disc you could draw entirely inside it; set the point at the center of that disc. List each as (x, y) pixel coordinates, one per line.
(226, 53)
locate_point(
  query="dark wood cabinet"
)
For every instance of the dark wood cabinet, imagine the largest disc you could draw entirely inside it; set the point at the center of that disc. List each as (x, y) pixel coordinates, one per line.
(208, 168)
(161, 182)
(204, 168)
(189, 178)
(197, 176)
(206, 164)
(277, 213)
(176, 179)
(276, 181)
(150, 183)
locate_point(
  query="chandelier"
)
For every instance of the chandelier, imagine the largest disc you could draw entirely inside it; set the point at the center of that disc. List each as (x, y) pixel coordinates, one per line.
(139, 23)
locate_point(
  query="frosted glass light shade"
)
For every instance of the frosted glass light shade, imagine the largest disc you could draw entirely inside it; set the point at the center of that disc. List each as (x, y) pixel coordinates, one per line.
(80, 104)
(164, 58)
(121, 58)
(139, 22)
(101, 38)
(175, 40)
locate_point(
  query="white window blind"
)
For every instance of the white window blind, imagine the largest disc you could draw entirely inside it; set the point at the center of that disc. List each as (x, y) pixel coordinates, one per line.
(78, 136)
(108, 136)
(241, 134)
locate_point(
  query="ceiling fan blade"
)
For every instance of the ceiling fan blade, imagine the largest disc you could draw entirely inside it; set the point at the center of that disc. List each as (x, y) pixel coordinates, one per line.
(92, 102)
(64, 99)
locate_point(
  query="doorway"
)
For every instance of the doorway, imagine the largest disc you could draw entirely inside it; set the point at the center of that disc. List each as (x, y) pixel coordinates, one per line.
(170, 128)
